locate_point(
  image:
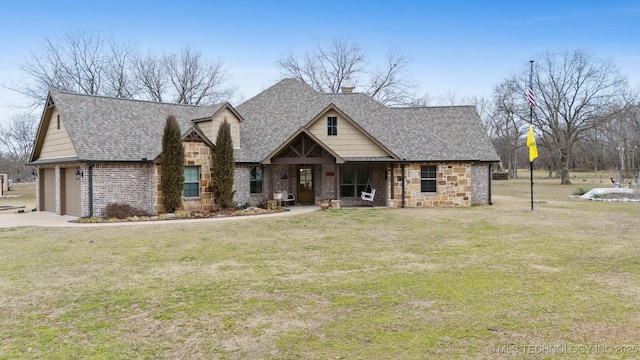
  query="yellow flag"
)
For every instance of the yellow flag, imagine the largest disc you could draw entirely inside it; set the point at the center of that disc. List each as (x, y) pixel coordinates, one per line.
(531, 143)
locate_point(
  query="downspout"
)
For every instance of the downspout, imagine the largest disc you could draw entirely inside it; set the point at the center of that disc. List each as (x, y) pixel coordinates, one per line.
(91, 190)
(271, 190)
(403, 178)
(336, 195)
(490, 203)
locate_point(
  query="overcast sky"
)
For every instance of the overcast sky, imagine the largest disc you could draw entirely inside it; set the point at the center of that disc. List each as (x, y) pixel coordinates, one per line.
(457, 47)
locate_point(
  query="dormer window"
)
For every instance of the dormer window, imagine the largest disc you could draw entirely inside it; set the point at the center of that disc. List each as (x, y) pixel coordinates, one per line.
(332, 125)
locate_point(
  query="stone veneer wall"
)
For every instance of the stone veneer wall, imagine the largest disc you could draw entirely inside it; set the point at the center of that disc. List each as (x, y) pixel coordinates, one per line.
(118, 183)
(196, 153)
(453, 186)
(480, 184)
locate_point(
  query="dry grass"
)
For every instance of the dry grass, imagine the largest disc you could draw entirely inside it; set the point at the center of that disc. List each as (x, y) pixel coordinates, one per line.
(23, 194)
(350, 284)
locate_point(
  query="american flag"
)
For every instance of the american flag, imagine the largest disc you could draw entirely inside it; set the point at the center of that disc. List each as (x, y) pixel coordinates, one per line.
(531, 98)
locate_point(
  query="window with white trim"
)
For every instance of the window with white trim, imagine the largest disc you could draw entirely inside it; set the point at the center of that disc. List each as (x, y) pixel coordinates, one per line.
(255, 180)
(428, 179)
(332, 125)
(191, 187)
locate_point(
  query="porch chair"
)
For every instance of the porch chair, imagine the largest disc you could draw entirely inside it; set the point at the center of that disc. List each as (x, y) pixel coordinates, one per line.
(286, 197)
(368, 196)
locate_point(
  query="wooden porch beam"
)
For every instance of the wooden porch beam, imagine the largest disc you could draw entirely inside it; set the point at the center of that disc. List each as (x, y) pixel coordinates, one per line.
(303, 160)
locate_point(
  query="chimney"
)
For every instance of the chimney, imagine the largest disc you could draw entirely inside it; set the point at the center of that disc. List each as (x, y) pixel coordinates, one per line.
(347, 86)
(347, 89)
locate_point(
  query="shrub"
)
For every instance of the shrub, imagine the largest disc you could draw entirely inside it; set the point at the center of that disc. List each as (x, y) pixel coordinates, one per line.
(263, 204)
(241, 207)
(580, 191)
(91, 220)
(172, 165)
(122, 211)
(166, 216)
(182, 214)
(223, 168)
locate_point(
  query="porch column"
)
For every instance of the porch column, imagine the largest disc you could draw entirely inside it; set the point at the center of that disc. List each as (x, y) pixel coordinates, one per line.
(336, 195)
(58, 191)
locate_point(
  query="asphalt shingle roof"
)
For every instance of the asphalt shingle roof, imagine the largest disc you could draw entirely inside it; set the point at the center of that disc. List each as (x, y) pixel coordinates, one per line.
(420, 133)
(446, 133)
(112, 129)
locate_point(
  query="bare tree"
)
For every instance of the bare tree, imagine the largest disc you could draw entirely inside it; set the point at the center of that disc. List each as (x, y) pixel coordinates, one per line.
(75, 63)
(341, 63)
(151, 77)
(195, 80)
(326, 68)
(389, 84)
(621, 134)
(575, 92)
(448, 99)
(89, 63)
(506, 124)
(424, 100)
(120, 78)
(16, 142)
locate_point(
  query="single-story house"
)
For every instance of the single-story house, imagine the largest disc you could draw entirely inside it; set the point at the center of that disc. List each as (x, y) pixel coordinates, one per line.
(91, 151)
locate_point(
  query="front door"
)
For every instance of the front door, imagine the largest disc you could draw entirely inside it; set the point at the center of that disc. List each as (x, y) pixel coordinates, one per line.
(305, 184)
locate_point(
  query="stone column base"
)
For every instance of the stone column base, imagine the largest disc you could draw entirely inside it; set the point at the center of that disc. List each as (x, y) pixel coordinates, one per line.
(335, 204)
(271, 204)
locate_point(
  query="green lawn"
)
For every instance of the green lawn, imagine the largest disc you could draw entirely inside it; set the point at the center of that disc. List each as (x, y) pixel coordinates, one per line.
(489, 282)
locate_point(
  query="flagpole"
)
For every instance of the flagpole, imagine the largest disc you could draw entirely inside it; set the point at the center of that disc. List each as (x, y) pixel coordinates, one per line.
(531, 124)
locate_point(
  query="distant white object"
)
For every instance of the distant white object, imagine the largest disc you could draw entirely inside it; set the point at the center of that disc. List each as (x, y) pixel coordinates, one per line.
(599, 191)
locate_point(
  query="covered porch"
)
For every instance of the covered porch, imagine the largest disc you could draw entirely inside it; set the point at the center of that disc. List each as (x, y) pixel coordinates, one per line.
(311, 172)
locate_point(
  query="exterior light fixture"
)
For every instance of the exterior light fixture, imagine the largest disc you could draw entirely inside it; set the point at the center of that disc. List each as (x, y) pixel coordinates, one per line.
(34, 175)
(79, 174)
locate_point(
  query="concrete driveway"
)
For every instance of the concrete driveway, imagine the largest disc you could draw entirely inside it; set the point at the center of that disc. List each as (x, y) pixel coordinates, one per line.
(35, 218)
(49, 219)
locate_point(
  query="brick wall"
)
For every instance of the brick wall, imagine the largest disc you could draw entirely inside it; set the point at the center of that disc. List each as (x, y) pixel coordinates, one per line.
(327, 177)
(378, 182)
(480, 184)
(119, 183)
(241, 186)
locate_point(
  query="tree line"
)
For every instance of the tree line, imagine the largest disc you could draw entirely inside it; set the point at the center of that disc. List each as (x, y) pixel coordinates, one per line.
(586, 115)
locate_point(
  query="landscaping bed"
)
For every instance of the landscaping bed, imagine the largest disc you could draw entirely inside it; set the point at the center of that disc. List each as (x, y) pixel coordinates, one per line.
(181, 215)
